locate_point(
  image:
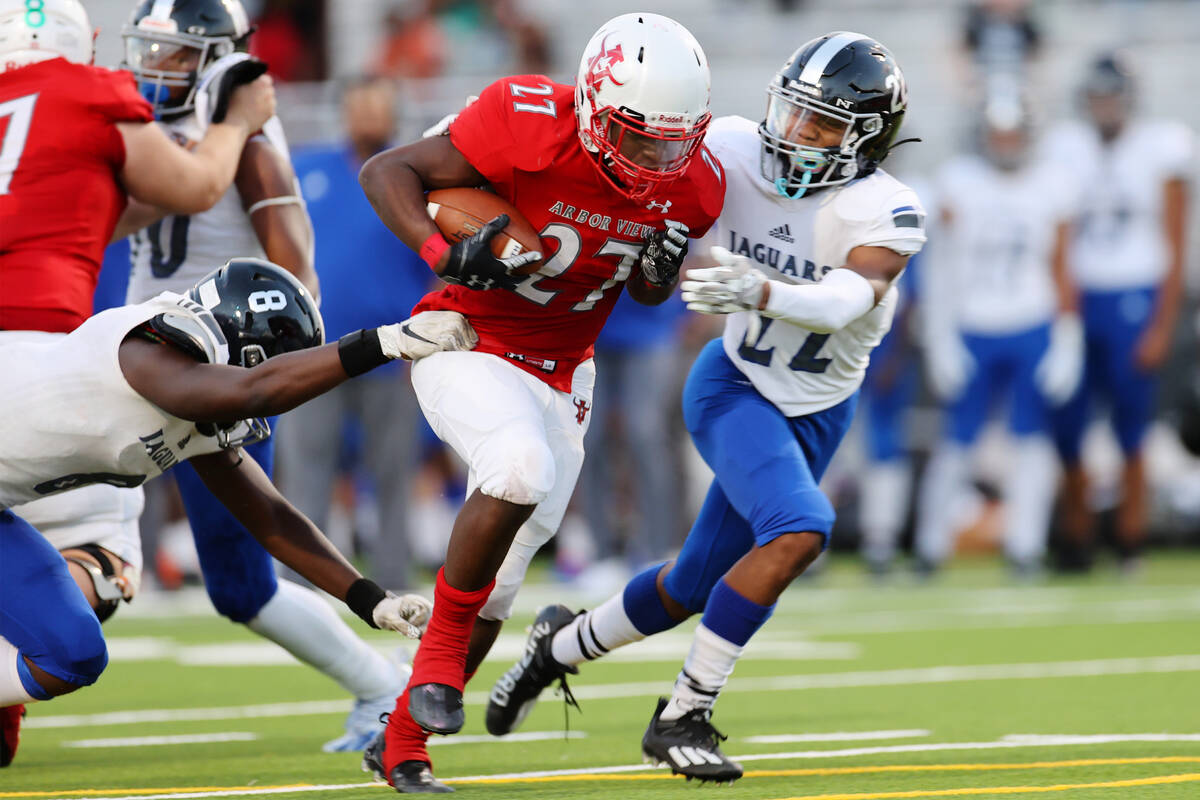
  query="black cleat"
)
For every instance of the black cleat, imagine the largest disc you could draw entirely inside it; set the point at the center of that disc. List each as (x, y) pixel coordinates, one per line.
(408, 777)
(689, 746)
(437, 708)
(516, 692)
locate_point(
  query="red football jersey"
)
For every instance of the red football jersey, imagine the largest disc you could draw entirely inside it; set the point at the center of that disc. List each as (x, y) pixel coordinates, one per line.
(522, 136)
(60, 155)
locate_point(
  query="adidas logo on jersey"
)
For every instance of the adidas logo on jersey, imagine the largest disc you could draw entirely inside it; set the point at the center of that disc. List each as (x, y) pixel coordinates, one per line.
(783, 232)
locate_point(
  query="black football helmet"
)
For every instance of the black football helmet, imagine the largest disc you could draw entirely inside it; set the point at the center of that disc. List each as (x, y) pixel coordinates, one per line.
(261, 309)
(833, 111)
(169, 43)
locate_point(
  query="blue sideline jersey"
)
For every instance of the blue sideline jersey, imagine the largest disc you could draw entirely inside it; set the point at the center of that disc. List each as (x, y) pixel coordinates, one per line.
(368, 276)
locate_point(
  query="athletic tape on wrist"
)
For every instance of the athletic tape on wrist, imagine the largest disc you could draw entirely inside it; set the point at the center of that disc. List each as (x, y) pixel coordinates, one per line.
(362, 597)
(431, 251)
(361, 352)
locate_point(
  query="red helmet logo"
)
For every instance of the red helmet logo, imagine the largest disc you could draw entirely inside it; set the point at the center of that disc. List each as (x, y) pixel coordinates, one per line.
(600, 65)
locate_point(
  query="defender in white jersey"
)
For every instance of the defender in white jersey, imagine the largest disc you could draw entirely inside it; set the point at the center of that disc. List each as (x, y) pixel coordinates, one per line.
(1000, 326)
(168, 44)
(812, 236)
(1128, 259)
(138, 390)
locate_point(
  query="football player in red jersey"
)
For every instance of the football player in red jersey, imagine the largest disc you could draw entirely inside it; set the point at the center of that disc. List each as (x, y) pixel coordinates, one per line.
(76, 141)
(613, 174)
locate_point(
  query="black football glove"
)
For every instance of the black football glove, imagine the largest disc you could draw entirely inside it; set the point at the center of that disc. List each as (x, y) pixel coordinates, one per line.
(223, 76)
(663, 254)
(470, 262)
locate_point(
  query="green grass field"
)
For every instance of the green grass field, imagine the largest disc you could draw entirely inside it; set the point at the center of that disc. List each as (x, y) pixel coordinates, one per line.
(970, 687)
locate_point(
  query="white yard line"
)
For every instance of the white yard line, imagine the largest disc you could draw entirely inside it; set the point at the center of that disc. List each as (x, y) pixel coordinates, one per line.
(839, 736)
(829, 680)
(527, 736)
(1001, 744)
(150, 741)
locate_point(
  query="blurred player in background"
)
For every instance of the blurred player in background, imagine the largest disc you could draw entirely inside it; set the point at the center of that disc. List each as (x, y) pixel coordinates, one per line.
(356, 251)
(768, 404)
(68, 132)
(1001, 328)
(1128, 260)
(163, 382)
(889, 390)
(613, 174)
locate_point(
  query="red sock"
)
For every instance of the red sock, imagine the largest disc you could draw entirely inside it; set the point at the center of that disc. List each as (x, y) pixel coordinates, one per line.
(405, 739)
(442, 655)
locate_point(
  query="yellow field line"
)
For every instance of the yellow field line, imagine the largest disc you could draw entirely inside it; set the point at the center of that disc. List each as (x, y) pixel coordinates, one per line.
(762, 773)
(1062, 787)
(827, 771)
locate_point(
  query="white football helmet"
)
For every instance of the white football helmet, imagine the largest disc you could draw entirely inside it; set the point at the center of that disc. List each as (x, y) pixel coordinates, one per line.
(39, 30)
(641, 98)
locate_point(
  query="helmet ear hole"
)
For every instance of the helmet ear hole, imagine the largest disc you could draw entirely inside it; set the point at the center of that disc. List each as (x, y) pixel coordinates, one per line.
(253, 355)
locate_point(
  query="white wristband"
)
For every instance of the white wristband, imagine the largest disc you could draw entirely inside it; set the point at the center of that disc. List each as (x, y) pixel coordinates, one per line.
(841, 297)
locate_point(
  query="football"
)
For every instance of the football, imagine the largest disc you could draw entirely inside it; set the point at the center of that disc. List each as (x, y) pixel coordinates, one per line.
(461, 212)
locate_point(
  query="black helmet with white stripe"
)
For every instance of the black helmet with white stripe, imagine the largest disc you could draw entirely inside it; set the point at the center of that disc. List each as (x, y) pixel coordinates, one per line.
(262, 310)
(833, 111)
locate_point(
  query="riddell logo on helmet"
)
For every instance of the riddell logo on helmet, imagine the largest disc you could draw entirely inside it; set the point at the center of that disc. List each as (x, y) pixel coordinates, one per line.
(600, 65)
(671, 118)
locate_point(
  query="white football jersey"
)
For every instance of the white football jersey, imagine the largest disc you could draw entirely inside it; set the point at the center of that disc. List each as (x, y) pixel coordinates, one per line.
(996, 247)
(1119, 241)
(76, 421)
(798, 241)
(173, 254)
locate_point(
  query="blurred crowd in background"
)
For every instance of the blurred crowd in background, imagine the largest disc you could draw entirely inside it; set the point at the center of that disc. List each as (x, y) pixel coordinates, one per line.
(358, 76)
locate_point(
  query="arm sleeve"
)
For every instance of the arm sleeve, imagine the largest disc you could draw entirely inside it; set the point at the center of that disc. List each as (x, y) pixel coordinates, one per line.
(841, 297)
(1178, 152)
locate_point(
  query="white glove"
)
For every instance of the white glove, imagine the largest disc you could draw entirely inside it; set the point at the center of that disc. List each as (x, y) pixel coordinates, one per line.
(407, 614)
(427, 333)
(948, 364)
(731, 286)
(1060, 368)
(443, 125)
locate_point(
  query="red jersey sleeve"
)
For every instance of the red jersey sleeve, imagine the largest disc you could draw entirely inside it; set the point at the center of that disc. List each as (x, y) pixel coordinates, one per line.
(114, 95)
(512, 126)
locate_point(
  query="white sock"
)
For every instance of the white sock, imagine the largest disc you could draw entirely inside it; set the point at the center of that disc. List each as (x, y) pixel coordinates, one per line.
(12, 691)
(594, 633)
(301, 622)
(1029, 499)
(709, 664)
(940, 487)
(883, 507)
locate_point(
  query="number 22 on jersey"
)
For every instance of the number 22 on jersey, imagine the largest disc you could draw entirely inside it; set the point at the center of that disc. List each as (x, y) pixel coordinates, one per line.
(19, 113)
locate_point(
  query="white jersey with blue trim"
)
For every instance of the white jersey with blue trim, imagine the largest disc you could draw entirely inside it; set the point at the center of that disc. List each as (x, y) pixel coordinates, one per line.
(995, 251)
(798, 241)
(76, 421)
(1120, 241)
(177, 251)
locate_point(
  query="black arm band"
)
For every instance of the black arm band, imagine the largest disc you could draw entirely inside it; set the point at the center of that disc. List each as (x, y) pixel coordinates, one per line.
(362, 597)
(360, 352)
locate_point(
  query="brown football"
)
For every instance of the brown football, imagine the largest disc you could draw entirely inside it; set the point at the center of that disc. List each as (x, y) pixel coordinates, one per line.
(461, 212)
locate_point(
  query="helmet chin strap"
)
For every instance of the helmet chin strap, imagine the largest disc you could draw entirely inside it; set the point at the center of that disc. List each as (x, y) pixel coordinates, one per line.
(809, 166)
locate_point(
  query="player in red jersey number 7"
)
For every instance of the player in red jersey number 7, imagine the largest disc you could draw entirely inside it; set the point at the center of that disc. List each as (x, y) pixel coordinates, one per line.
(613, 175)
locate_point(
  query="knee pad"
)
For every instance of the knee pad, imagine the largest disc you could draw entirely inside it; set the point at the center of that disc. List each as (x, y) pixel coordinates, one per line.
(76, 653)
(240, 602)
(517, 468)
